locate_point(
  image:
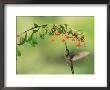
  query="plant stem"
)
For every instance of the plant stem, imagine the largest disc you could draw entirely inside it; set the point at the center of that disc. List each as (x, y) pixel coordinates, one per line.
(71, 62)
(25, 31)
(71, 66)
(35, 26)
(66, 45)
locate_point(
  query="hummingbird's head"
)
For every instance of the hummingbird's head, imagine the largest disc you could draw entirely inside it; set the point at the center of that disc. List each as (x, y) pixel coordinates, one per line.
(66, 52)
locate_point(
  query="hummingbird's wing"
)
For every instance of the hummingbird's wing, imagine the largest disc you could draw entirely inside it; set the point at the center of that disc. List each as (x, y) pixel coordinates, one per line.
(79, 55)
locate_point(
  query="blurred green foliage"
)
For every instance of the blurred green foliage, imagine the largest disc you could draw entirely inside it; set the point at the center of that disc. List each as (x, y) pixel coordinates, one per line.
(48, 57)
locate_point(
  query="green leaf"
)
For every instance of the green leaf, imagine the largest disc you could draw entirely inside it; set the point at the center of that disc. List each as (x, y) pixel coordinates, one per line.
(82, 38)
(70, 32)
(32, 40)
(53, 30)
(66, 25)
(18, 53)
(30, 37)
(25, 37)
(43, 26)
(36, 26)
(41, 36)
(34, 31)
(22, 40)
(62, 29)
(76, 35)
(50, 33)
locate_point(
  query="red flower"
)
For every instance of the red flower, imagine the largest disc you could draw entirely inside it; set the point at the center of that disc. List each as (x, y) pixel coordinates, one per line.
(57, 33)
(53, 38)
(74, 34)
(67, 35)
(63, 40)
(78, 43)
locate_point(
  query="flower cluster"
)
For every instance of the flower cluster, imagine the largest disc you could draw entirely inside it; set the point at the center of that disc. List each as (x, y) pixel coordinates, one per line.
(64, 32)
(76, 36)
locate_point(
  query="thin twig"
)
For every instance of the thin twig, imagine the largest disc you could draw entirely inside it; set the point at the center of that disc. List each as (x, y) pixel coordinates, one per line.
(66, 45)
(25, 31)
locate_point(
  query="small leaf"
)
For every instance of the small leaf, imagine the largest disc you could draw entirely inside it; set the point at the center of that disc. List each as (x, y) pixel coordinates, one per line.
(50, 33)
(34, 31)
(18, 53)
(22, 40)
(41, 36)
(25, 37)
(82, 38)
(43, 26)
(76, 35)
(66, 25)
(35, 26)
(62, 29)
(29, 39)
(70, 32)
(34, 41)
(53, 30)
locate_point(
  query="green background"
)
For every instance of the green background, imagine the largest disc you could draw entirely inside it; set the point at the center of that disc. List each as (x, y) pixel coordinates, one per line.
(48, 57)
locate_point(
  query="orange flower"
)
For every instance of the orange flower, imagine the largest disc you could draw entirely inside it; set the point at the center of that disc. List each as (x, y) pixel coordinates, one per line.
(57, 33)
(67, 36)
(78, 43)
(66, 33)
(53, 38)
(63, 40)
(73, 39)
(74, 34)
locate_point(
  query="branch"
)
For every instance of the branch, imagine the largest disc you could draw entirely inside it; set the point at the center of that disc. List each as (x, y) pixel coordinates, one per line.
(35, 26)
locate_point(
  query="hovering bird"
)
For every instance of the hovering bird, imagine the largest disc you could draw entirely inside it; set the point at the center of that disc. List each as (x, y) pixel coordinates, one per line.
(75, 56)
(71, 57)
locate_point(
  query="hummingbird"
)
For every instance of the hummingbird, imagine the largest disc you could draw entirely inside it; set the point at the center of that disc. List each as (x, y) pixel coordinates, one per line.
(71, 57)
